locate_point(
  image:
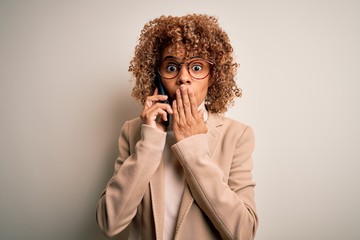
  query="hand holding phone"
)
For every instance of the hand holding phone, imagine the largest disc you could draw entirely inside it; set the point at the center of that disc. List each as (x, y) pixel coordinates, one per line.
(162, 91)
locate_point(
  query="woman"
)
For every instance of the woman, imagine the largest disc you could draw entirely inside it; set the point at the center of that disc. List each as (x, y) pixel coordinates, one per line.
(184, 170)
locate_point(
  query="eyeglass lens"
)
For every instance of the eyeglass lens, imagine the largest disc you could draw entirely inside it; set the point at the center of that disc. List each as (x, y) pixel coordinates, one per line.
(197, 68)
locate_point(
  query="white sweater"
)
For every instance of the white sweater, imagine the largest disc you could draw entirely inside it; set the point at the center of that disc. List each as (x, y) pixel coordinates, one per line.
(174, 183)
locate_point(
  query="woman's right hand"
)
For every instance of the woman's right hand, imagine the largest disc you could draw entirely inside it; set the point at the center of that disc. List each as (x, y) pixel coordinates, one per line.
(155, 112)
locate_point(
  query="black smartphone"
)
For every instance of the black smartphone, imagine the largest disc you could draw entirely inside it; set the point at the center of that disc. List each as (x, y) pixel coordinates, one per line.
(162, 91)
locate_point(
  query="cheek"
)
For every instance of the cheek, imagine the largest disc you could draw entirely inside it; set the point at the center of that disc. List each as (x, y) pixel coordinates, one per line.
(201, 92)
(204, 89)
(170, 87)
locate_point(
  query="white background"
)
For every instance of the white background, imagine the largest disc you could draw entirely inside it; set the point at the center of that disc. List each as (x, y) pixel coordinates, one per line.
(65, 93)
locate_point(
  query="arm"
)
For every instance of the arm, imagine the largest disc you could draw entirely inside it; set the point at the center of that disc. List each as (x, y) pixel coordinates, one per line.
(125, 190)
(229, 205)
(134, 168)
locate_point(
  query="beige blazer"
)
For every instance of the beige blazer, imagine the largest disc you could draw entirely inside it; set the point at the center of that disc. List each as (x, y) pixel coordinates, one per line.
(218, 201)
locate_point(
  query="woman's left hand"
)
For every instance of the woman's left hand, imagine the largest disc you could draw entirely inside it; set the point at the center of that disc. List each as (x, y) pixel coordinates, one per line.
(188, 120)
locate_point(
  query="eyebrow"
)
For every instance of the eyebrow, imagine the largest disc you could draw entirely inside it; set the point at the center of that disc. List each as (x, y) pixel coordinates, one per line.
(175, 58)
(170, 57)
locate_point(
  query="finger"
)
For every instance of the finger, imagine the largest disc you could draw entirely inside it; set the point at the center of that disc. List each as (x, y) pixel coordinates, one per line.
(148, 103)
(175, 111)
(155, 113)
(185, 100)
(179, 105)
(156, 92)
(148, 112)
(164, 106)
(167, 107)
(155, 98)
(193, 102)
(159, 115)
(151, 100)
(163, 114)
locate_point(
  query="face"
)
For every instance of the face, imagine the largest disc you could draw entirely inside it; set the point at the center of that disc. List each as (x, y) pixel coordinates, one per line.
(170, 59)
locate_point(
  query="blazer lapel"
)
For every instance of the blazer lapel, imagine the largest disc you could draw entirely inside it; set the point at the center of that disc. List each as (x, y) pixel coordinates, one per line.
(157, 200)
(214, 120)
(186, 203)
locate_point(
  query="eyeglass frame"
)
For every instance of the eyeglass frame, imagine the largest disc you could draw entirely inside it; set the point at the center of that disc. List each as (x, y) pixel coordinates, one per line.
(187, 67)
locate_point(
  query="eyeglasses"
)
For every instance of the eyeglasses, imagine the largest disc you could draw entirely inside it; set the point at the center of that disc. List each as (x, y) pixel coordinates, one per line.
(198, 68)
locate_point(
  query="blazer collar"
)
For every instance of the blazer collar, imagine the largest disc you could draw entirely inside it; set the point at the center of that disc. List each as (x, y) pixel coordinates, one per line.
(157, 200)
(214, 120)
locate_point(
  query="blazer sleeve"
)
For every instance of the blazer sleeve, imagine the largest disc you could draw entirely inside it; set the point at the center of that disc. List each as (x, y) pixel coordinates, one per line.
(228, 204)
(133, 171)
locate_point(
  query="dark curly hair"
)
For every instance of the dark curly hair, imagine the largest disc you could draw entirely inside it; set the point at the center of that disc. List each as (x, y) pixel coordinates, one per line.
(202, 36)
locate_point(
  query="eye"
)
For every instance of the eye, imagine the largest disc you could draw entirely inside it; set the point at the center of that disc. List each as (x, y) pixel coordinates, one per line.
(171, 67)
(196, 67)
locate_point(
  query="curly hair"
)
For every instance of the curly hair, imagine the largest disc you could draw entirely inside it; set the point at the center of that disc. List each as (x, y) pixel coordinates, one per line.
(200, 35)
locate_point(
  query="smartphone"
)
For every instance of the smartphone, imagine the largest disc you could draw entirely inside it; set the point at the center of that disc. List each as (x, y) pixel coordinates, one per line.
(162, 91)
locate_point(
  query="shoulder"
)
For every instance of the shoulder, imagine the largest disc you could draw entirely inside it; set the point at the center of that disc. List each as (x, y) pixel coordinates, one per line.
(230, 129)
(226, 123)
(132, 126)
(234, 123)
(133, 122)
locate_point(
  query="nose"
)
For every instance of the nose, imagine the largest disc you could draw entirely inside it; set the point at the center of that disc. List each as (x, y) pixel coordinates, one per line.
(184, 76)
